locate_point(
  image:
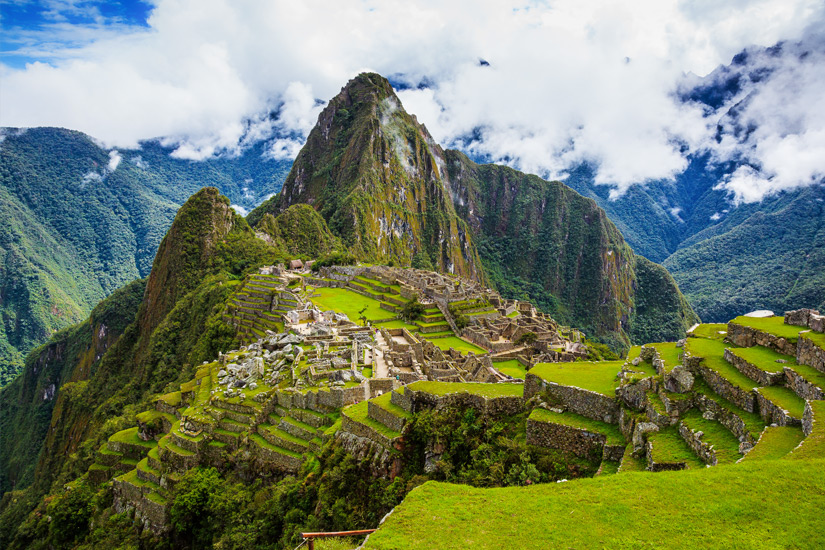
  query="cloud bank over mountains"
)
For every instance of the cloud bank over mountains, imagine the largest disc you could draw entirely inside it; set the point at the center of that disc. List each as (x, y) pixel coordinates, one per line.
(540, 86)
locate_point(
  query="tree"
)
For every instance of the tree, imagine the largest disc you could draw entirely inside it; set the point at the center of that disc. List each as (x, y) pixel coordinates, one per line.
(412, 310)
(527, 339)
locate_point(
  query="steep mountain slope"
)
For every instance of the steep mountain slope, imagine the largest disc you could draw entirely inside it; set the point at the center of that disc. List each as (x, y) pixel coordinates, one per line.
(77, 222)
(90, 380)
(391, 194)
(377, 178)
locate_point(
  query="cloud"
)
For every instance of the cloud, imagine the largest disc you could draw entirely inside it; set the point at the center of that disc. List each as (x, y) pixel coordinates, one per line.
(563, 83)
(114, 160)
(240, 209)
(776, 129)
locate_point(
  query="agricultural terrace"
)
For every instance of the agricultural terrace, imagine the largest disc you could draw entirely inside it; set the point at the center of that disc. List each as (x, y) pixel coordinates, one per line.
(597, 376)
(773, 325)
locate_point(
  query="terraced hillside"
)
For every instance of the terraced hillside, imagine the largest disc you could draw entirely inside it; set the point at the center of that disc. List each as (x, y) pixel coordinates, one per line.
(742, 399)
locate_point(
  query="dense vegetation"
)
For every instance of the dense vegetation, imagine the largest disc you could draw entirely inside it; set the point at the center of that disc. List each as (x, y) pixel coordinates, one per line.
(75, 224)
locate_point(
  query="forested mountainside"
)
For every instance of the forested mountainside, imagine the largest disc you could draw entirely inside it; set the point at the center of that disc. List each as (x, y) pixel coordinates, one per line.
(393, 195)
(89, 379)
(728, 258)
(78, 221)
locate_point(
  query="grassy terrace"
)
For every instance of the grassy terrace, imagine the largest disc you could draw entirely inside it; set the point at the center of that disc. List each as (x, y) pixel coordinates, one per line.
(753, 422)
(771, 325)
(358, 413)
(457, 344)
(512, 368)
(785, 398)
(814, 445)
(712, 351)
(764, 358)
(631, 463)
(810, 374)
(669, 353)
(130, 435)
(711, 330)
(775, 442)
(669, 447)
(723, 507)
(612, 432)
(485, 390)
(725, 443)
(597, 376)
(817, 338)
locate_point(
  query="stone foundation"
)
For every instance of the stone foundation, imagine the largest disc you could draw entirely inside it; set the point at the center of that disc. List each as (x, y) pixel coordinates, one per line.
(773, 414)
(743, 399)
(753, 372)
(578, 441)
(747, 337)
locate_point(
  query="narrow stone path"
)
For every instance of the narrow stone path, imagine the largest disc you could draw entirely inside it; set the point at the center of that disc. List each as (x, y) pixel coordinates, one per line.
(382, 369)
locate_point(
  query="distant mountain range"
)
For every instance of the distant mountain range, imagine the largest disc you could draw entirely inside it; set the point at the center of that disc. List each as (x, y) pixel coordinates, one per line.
(728, 258)
(78, 221)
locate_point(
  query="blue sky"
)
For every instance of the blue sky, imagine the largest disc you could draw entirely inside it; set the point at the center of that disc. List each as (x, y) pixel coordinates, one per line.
(31, 30)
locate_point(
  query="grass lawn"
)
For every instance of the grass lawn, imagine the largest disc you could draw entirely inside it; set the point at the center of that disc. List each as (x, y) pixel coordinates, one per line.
(785, 398)
(398, 323)
(384, 401)
(631, 463)
(711, 330)
(723, 507)
(764, 358)
(486, 390)
(712, 352)
(349, 303)
(611, 431)
(725, 443)
(457, 344)
(511, 367)
(772, 325)
(669, 353)
(598, 376)
(669, 447)
(775, 442)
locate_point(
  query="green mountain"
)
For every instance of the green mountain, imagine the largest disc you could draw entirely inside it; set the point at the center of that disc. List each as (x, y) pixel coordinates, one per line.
(393, 195)
(78, 222)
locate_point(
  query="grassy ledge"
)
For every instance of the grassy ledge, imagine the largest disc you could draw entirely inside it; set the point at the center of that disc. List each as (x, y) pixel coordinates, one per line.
(599, 376)
(612, 432)
(484, 390)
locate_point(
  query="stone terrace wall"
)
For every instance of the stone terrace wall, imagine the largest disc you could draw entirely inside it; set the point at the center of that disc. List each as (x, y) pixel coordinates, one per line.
(385, 417)
(580, 401)
(744, 399)
(808, 353)
(808, 420)
(488, 406)
(802, 387)
(578, 441)
(704, 451)
(747, 337)
(754, 373)
(773, 414)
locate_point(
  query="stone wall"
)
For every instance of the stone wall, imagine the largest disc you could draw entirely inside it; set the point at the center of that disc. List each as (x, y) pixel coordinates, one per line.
(578, 441)
(808, 353)
(364, 431)
(704, 451)
(661, 466)
(741, 398)
(385, 417)
(747, 337)
(774, 414)
(753, 372)
(727, 418)
(808, 420)
(401, 399)
(580, 401)
(802, 387)
(634, 395)
(487, 406)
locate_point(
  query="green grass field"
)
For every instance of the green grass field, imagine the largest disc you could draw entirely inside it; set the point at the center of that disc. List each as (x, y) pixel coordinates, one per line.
(512, 368)
(772, 325)
(669, 353)
(599, 376)
(457, 344)
(349, 303)
(765, 358)
(785, 398)
(775, 442)
(814, 445)
(722, 508)
(486, 390)
(611, 431)
(669, 447)
(711, 330)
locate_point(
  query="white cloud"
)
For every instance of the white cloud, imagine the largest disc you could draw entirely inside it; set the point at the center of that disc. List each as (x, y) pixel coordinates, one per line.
(566, 82)
(114, 160)
(240, 209)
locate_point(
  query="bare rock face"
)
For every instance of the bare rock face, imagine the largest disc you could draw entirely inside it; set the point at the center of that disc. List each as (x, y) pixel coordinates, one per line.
(679, 380)
(638, 440)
